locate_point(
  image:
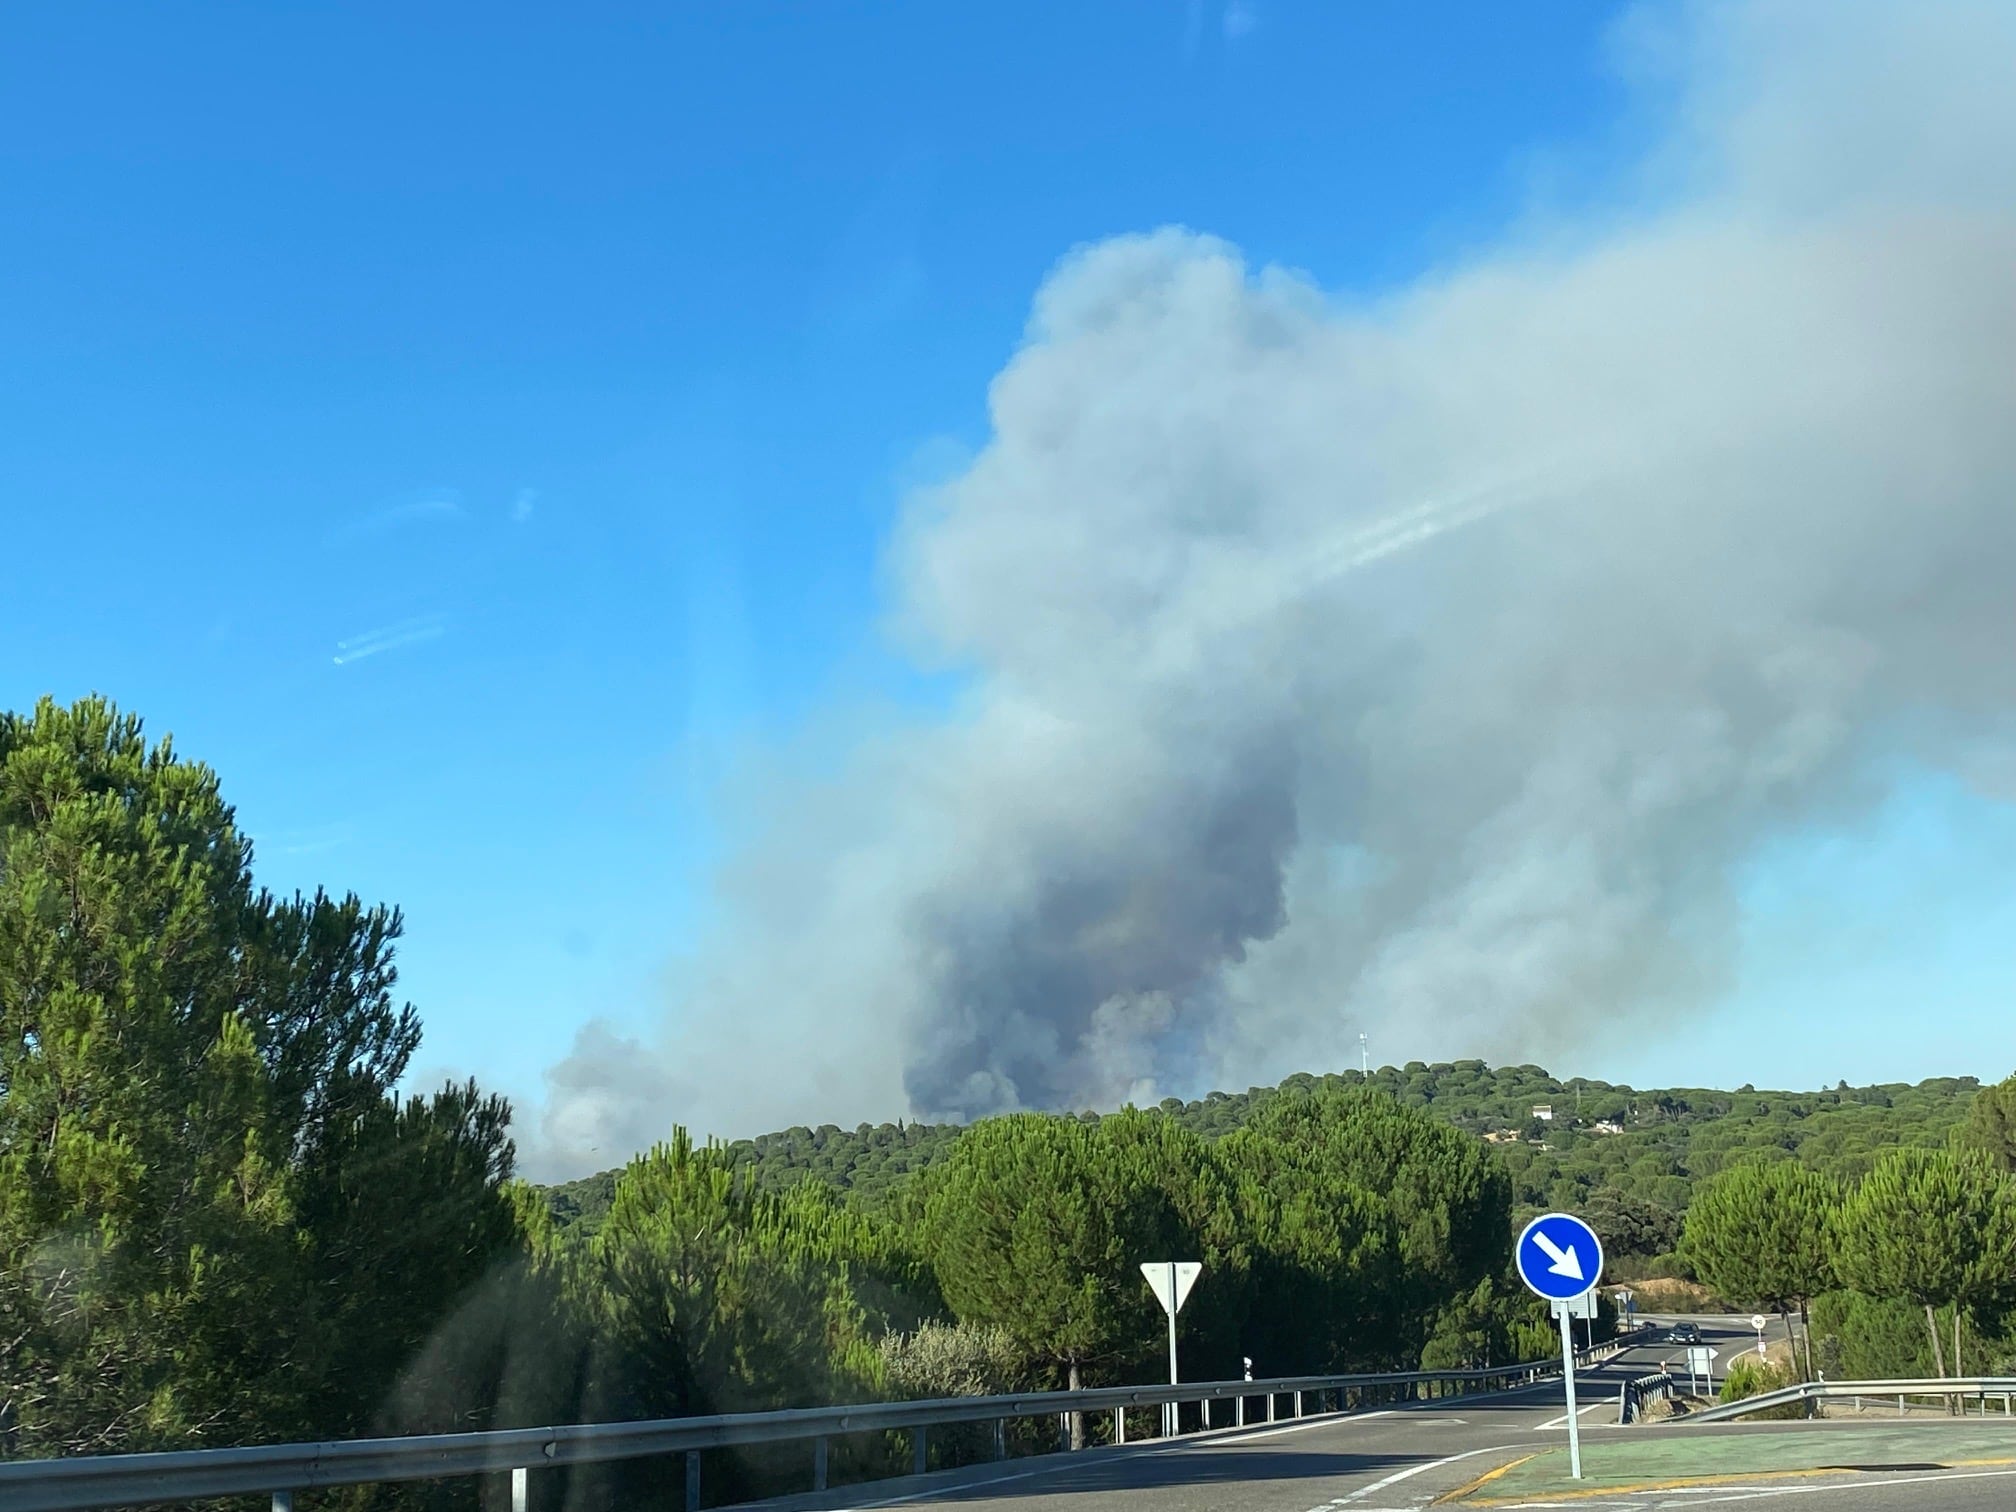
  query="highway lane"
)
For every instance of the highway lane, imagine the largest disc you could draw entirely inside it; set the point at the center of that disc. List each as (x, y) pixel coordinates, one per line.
(1729, 1336)
(1400, 1459)
(1368, 1461)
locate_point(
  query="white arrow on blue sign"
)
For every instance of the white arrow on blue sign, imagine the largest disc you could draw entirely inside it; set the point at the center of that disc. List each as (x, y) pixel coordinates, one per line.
(1559, 1256)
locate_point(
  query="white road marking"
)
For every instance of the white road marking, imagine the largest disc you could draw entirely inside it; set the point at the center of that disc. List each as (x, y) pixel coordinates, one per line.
(1860, 1483)
(1219, 1437)
(897, 1501)
(1562, 1421)
(1699, 1496)
(1326, 1420)
(1353, 1498)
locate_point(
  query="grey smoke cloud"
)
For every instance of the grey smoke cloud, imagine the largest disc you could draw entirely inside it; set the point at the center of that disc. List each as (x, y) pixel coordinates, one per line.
(1427, 660)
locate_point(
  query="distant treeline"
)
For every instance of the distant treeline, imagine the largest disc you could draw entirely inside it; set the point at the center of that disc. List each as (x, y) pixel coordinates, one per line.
(1635, 1183)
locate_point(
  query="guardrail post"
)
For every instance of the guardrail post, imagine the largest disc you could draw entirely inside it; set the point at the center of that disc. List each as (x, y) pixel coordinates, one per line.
(692, 1480)
(1239, 1412)
(920, 1451)
(517, 1488)
(1270, 1406)
(283, 1501)
(1298, 1404)
(819, 1463)
(1000, 1438)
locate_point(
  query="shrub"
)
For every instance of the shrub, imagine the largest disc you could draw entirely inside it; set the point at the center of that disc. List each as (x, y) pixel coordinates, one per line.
(1749, 1376)
(951, 1359)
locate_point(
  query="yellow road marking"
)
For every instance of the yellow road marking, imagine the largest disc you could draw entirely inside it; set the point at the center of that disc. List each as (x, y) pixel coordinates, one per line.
(1483, 1480)
(1683, 1482)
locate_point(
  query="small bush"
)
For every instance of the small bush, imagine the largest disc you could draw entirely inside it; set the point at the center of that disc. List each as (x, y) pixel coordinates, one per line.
(950, 1360)
(954, 1360)
(1748, 1376)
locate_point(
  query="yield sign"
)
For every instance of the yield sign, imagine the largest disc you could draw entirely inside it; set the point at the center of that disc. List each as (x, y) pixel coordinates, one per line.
(1171, 1281)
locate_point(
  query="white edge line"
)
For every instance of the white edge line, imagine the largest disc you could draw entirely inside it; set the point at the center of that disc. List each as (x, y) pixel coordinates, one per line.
(1222, 1436)
(1861, 1484)
(1413, 1470)
(1226, 1435)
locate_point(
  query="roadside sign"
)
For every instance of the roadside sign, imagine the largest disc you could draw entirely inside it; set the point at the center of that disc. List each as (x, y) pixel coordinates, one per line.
(1171, 1281)
(1559, 1256)
(1699, 1360)
(1760, 1322)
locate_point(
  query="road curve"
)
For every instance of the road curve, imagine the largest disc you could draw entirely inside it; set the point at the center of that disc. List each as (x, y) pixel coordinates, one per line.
(1393, 1459)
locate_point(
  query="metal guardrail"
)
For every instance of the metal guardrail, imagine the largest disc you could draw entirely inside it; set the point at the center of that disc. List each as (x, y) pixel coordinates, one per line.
(1983, 1387)
(1633, 1396)
(279, 1470)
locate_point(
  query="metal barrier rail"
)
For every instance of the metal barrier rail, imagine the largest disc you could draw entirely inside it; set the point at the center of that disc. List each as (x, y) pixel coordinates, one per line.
(1983, 1387)
(1633, 1396)
(124, 1480)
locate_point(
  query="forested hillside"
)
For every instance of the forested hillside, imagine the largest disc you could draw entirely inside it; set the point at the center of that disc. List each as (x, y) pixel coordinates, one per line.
(1631, 1154)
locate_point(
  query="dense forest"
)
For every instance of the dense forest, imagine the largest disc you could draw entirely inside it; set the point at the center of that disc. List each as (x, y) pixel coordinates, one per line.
(221, 1222)
(1629, 1157)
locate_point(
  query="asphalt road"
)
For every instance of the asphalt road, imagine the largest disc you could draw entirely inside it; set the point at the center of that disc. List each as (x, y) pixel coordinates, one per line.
(1397, 1459)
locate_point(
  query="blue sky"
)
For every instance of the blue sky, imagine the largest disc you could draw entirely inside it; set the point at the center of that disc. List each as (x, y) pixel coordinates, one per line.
(469, 430)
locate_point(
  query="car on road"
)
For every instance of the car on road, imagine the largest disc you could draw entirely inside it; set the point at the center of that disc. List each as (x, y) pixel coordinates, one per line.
(1685, 1333)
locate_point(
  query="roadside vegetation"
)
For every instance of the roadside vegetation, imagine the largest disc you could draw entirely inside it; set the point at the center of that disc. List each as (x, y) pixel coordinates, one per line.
(221, 1222)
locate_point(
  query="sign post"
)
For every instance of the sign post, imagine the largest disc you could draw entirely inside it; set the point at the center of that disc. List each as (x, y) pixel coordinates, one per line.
(1700, 1365)
(1560, 1258)
(1759, 1322)
(1171, 1281)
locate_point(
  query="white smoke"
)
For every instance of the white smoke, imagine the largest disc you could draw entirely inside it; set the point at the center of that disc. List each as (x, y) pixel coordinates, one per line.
(1432, 659)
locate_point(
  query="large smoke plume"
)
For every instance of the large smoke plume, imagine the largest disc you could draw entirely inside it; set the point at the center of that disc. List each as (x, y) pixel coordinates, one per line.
(1430, 659)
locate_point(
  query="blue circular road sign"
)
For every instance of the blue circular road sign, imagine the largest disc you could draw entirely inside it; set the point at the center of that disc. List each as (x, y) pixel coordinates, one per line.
(1559, 1256)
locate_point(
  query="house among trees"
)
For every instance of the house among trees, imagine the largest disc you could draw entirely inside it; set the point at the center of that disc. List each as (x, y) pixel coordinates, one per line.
(1544, 1112)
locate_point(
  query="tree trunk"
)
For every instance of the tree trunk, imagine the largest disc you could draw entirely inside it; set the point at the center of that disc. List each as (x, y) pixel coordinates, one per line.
(1806, 1328)
(1953, 1406)
(1938, 1353)
(1077, 1418)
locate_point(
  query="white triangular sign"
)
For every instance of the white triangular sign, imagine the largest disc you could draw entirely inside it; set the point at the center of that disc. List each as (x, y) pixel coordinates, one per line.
(1171, 1281)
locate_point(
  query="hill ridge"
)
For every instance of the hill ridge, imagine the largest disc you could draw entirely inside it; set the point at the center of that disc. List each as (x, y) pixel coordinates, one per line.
(1648, 1145)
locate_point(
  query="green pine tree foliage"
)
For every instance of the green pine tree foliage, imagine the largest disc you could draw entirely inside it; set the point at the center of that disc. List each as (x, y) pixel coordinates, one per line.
(1202, 1224)
(1858, 1338)
(1991, 1123)
(1038, 1227)
(217, 1223)
(1933, 1227)
(1762, 1233)
(1448, 1199)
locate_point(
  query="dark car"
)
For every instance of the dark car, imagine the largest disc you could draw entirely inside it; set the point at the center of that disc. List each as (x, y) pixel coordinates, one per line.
(1685, 1333)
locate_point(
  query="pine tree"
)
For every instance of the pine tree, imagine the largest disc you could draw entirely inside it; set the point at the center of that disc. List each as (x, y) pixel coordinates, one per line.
(1934, 1227)
(1037, 1227)
(1759, 1232)
(206, 1187)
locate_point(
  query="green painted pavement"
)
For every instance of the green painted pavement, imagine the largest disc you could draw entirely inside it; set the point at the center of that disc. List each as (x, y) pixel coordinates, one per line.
(1667, 1455)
